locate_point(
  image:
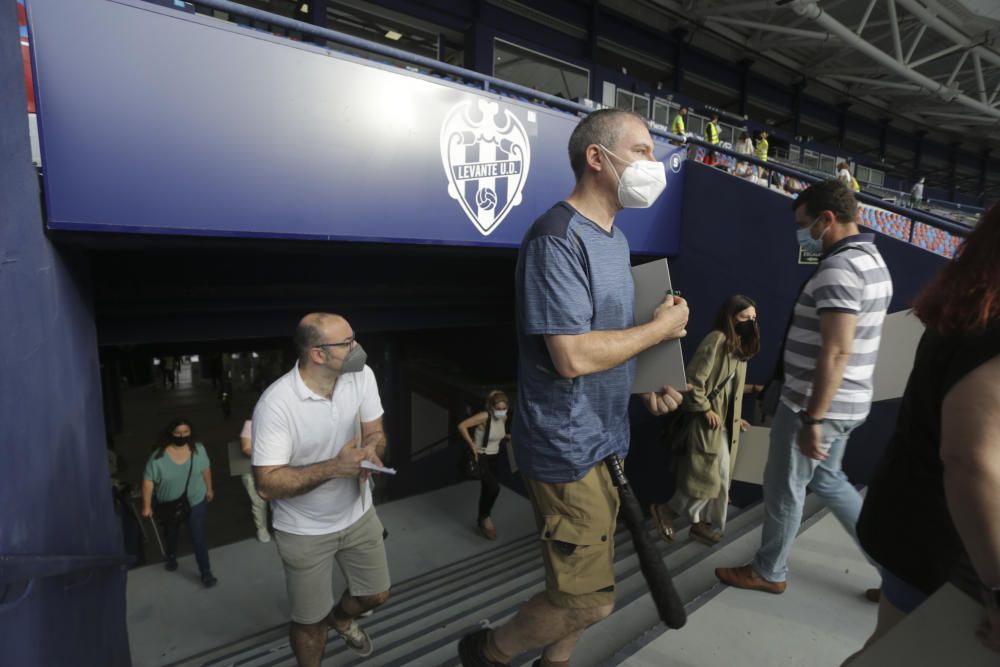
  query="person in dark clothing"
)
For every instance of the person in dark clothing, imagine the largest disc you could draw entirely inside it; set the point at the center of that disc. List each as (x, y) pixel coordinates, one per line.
(930, 516)
(490, 431)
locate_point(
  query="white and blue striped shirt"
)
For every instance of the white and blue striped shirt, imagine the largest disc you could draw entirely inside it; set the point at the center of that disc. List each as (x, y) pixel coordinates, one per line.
(851, 278)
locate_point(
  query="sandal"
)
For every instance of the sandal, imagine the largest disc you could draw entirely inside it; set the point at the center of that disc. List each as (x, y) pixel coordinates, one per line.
(702, 532)
(663, 517)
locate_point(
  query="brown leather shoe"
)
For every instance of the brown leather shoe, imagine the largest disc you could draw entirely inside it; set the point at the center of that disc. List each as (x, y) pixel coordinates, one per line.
(703, 532)
(745, 577)
(873, 594)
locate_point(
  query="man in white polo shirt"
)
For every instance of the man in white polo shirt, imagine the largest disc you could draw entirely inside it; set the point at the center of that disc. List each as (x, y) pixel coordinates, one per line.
(307, 462)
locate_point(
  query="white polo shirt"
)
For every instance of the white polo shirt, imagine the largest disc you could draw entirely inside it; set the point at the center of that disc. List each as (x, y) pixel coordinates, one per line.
(292, 425)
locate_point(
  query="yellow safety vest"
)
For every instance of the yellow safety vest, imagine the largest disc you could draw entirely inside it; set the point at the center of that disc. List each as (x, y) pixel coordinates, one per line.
(761, 150)
(857, 186)
(678, 125)
(713, 134)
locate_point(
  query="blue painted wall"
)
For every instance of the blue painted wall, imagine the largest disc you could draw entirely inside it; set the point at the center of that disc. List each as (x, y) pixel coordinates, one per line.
(54, 485)
(245, 134)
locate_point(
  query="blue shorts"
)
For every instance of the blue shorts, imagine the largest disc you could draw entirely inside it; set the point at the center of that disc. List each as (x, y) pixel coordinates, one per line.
(900, 594)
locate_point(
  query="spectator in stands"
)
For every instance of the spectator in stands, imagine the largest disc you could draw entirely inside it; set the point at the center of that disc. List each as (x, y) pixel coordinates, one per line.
(793, 186)
(707, 441)
(844, 174)
(744, 145)
(761, 150)
(931, 513)
(712, 135)
(677, 126)
(577, 338)
(776, 180)
(179, 468)
(917, 193)
(307, 460)
(490, 432)
(258, 506)
(829, 356)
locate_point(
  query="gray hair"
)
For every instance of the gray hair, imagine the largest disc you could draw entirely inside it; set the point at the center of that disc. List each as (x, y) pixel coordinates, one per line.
(604, 127)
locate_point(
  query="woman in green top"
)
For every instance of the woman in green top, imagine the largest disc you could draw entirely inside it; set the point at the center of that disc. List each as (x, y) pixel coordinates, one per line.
(178, 462)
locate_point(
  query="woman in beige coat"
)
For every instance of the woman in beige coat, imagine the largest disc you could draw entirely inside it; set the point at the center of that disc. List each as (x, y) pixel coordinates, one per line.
(706, 447)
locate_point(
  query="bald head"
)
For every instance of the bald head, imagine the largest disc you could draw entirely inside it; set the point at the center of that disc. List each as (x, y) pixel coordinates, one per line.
(316, 329)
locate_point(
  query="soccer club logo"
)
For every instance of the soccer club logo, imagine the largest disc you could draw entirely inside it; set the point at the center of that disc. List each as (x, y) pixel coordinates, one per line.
(486, 163)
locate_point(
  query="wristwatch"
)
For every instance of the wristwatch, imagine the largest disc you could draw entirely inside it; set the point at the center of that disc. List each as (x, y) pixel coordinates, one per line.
(808, 419)
(991, 597)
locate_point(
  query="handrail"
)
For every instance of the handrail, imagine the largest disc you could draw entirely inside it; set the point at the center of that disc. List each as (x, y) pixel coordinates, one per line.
(35, 566)
(489, 82)
(486, 80)
(388, 51)
(917, 216)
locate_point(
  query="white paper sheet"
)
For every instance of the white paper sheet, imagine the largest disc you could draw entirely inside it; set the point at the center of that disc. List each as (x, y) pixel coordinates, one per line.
(752, 455)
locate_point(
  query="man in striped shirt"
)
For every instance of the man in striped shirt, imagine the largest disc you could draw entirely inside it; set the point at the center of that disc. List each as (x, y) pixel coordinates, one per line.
(830, 354)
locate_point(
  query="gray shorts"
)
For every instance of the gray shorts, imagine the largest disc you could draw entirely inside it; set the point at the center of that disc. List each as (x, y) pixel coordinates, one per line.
(308, 560)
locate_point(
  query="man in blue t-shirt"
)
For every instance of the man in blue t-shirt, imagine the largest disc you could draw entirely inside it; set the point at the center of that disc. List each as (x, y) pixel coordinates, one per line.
(577, 339)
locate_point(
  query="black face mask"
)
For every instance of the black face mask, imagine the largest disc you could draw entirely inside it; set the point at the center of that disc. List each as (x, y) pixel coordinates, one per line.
(746, 328)
(180, 441)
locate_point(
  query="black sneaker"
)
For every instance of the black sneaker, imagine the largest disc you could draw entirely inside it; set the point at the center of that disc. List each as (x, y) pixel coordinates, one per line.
(208, 580)
(170, 565)
(471, 650)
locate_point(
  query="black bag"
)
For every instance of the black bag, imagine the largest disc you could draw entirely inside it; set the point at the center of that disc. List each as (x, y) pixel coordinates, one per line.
(469, 465)
(677, 428)
(177, 510)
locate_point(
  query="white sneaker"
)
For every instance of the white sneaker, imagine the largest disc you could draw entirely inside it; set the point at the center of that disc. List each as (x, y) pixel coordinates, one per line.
(357, 640)
(263, 535)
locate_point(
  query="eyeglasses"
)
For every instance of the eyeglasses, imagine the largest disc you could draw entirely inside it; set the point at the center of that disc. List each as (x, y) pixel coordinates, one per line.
(344, 343)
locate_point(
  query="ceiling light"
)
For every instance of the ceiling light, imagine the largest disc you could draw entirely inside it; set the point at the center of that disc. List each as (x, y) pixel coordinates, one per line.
(393, 35)
(304, 8)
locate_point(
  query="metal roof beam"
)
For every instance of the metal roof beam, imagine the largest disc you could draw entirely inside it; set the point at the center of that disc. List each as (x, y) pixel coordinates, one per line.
(944, 29)
(812, 10)
(770, 27)
(897, 43)
(934, 56)
(913, 46)
(864, 19)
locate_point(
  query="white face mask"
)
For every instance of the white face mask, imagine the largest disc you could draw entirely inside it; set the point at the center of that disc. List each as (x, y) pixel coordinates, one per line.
(499, 414)
(641, 182)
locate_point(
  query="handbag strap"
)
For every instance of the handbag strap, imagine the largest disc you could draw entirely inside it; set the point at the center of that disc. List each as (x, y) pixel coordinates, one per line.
(190, 468)
(715, 392)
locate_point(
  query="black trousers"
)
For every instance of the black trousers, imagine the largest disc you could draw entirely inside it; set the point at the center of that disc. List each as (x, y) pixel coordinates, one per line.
(490, 487)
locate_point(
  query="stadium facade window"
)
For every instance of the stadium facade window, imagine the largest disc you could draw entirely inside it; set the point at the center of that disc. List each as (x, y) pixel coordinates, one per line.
(540, 72)
(632, 102)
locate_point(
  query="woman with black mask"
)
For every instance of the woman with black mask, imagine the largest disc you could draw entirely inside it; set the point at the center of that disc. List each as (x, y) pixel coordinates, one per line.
(708, 428)
(179, 476)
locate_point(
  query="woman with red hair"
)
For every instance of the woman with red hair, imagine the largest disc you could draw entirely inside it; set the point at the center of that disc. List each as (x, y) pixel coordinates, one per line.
(932, 513)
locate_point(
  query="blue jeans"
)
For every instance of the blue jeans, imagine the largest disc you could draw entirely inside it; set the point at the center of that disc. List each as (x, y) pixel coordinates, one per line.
(787, 475)
(196, 526)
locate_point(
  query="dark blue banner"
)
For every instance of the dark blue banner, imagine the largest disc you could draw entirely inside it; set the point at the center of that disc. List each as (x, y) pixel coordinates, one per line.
(153, 120)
